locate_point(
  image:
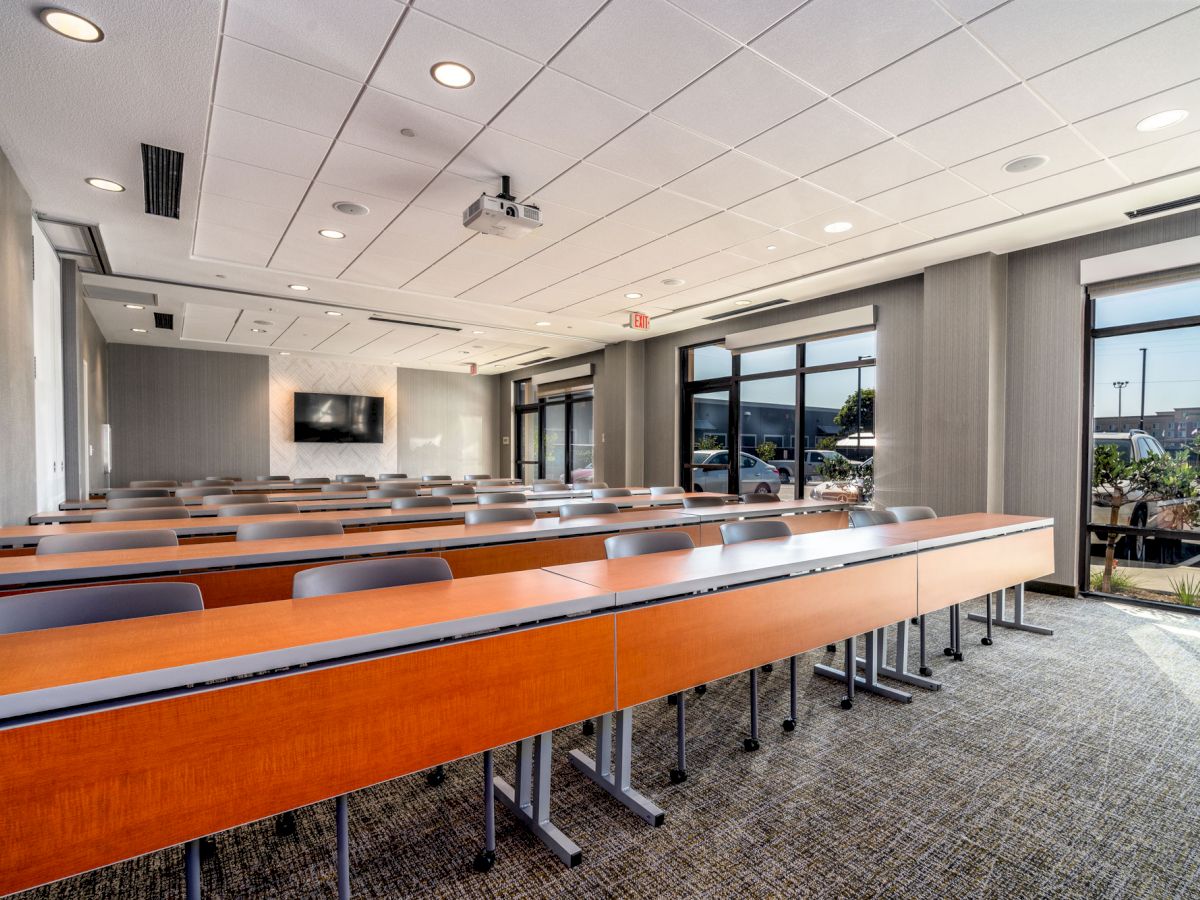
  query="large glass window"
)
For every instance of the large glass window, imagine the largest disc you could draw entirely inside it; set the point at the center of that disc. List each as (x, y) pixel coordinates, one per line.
(1143, 521)
(831, 380)
(555, 437)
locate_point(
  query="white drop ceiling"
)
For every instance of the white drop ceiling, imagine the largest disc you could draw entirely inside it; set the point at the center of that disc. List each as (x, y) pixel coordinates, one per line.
(663, 140)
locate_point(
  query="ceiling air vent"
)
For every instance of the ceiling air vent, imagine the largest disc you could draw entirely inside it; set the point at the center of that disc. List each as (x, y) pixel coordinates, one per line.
(742, 310)
(164, 320)
(412, 324)
(540, 359)
(1163, 207)
(162, 180)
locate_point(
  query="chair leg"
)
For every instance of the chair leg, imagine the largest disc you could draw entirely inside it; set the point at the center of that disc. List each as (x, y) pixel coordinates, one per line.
(343, 847)
(851, 672)
(789, 724)
(955, 648)
(924, 661)
(486, 858)
(679, 773)
(750, 744)
(191, 869)
(987, 640)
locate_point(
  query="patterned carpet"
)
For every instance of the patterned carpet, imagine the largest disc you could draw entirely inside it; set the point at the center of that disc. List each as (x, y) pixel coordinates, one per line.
(1064, 766)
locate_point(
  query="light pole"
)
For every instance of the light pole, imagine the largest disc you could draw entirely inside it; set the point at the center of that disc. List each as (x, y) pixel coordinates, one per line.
(858, 411)
(1142, 414)
(1120, 386)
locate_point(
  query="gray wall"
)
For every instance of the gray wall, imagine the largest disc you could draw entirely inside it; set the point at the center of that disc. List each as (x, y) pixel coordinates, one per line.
(18, 473)
(187, 413)
(446, 423)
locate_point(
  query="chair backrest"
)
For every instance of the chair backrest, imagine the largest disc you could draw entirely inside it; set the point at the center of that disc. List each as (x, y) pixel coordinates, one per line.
(96, 603)
(664, 491)
(106, 540)
(344, 487)
(700, 502)
(153, 484)
(392, 476)
(310, 481)
(602, 493)
(501, 497)
(369, 574)
(482, 516)
(576, 510)
(754, 530)
(213, 482)
(385, 493)
(202, 492)
(140, 515)
(143, 502)
(492, 482)
(226, 499)
(485, 477)
(258, 509)
(644, 542)
(912, 513)
(351, 479)
(136, 493)
(759, 498)
(541, 487)
(232, 479)
(863, 518)
(274, 478)
(421, 502)
(266, 531)
(547, 480)
(435, 478)
(589, 485)
(453, 490)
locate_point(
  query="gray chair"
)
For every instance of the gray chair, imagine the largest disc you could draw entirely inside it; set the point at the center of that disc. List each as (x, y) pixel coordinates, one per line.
(454, 490)
(479, 477)
(368, 575)
(137, 493)
(759, 498)
(422, 503)
(202, 492)
(96, 603)
(578, 510)
(214, 482)
(266, 531)
(501, 497)
(140, 515)
(143, 502)
(386, 493)
(588, 485)
(226, 499)
(540, 487)
(408, 485)
(643, 543)
(483, 516)
(153, 484)
(274, 478)
(258, 509)
(354, 479)
(666, 491)
(106, 540)
(231, 478)
(310, 481)
(493, 482)
(605, 493)
(343, 487)
(754, 530)
(392, 476)
(864, 518)
(912, 513)
(702, 502)
(436, 478)
(547, 480)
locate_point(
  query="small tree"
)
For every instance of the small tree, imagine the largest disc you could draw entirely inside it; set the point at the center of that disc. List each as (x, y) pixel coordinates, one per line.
(848, 417)
(766, 451)
(708, 442)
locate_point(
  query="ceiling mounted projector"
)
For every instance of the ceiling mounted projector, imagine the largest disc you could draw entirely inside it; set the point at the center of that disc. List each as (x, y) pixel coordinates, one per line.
(502, 215)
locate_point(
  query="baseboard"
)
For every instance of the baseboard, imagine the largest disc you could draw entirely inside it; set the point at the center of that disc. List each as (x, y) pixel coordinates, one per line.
(1050, 587)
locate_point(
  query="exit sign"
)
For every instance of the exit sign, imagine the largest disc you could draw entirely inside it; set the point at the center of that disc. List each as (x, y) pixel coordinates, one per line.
(640, 321)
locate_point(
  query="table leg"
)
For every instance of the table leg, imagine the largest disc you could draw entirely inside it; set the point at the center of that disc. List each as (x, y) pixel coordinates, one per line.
(342, 813)
(486, 858)
(899, 670)
(529, 798)
(869, 681)
(750, 744)
(615, 780)
(1017, 622)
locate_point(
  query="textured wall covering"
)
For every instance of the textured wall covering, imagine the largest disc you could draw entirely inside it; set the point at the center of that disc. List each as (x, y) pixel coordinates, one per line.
(290, 375)
(82, 342)
(18, 474)
(187, 414)
(446, 423)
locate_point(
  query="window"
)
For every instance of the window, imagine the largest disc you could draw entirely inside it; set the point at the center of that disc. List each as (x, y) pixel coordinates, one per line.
(554, 434)
(750, 400)
(1141, 516)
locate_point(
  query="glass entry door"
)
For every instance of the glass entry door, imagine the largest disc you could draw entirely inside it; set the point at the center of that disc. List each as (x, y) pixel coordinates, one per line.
(528, 446)
(554, 441)
(707, 442)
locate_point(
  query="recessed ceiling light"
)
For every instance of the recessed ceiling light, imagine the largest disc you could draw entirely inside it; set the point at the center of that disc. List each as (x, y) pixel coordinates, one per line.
(138, 330)
(673, 282)
(285, 352)
(331, 233)
(1164, 119)
(332, 312)
(838, 227)
(105, 185)
(134, 306)
(408, 132)
(633, 295)
(298, 287)
(452, 75)
(476, 332)
(259, 330)
(70, 25)
(1025, 163)
(741, 302)
(542, 324)
(772, 247)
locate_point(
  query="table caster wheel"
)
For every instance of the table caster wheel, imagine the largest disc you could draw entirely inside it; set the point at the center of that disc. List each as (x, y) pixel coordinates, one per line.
(987, 641)
(769, 667)
(925, 671)
(436, 777)
(285, 824)
(749, 744)
(208, 848)
(701, 690)
(484, 860)
(948, 651)
(847, 703)
(958, 657)
(589, 727)
(789, 724)
(678, 776)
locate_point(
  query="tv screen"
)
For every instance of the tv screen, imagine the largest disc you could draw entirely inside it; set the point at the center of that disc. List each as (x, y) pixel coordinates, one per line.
(338, 419)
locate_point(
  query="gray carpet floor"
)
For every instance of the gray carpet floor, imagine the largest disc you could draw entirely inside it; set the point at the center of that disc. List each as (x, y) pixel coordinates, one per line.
(1064, 767)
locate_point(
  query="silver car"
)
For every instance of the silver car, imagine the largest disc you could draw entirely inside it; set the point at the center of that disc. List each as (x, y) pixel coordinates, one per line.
(757, 477)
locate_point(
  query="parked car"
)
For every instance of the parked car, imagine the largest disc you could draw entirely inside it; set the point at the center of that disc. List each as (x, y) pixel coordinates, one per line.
(838, 492)
(1133, 446)
(756, 476)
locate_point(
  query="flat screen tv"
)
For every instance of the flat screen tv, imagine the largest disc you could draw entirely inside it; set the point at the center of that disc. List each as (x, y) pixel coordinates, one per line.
(338, 419)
